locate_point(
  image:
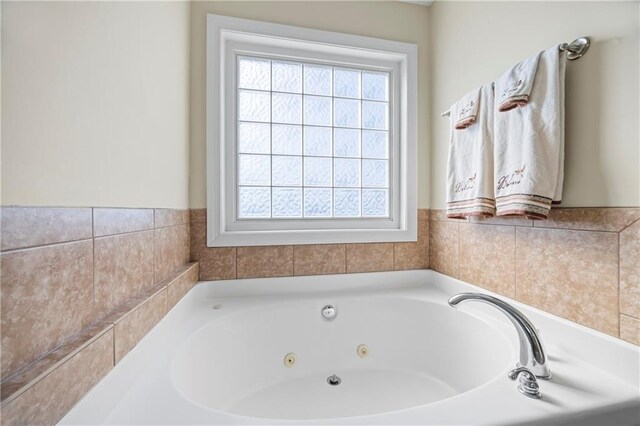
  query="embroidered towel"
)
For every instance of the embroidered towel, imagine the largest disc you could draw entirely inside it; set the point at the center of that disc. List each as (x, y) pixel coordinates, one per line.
(467, 110)
(529, 142)
(470, 164)
(516, 83)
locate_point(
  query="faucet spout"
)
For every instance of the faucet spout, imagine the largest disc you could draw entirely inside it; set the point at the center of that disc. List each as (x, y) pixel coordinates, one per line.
(532, 353)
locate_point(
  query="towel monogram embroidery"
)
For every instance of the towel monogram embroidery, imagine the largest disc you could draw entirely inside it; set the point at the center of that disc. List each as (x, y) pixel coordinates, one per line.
(511, 89)
(465, 185)
(466, 109)
(512, 179)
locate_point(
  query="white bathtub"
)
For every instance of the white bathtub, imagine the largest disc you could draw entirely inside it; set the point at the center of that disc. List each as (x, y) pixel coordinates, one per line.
(218, 358)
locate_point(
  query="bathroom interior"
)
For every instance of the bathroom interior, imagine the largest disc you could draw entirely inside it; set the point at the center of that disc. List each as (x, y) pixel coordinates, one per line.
(320, 212)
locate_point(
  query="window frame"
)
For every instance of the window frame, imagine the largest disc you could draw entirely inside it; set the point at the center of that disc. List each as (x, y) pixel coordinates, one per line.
(228, 38)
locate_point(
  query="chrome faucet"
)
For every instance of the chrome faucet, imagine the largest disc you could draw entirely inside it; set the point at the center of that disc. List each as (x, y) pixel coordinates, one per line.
(532, 354)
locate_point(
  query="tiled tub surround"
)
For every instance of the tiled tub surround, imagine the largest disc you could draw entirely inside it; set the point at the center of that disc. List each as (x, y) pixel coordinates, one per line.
(80, 287)
(582, 264)
(114, 273)
(223, 263)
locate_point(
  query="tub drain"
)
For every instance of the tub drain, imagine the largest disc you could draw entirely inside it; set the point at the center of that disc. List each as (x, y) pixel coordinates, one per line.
(334, 380)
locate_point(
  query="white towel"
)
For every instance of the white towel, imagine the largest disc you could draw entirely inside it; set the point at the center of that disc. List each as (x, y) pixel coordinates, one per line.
(470, 165)
(467, 110)
(516, 84)
(529, 142)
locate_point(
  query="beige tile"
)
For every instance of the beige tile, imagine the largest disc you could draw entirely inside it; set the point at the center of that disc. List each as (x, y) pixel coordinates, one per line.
(133, 303)
(52, 397)
(170, 217)
(369, 257)
(34, 226)
(423, 214)
(179, 286)
(573, 274)
(198, 215)
(123, 269)
(630, 329)
(319, 259)
(268, 261)
(590, 218)
(443, 247)
(120, 221)
(46, 297)
(441, 215)
(216, 263)
(413, 255)
(502, 220)
(171, 250)
(488, 257)
(34, 372)
(130, 329)
(630, 270)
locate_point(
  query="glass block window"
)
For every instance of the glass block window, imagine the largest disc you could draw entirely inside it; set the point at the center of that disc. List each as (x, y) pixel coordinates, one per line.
(312, 141)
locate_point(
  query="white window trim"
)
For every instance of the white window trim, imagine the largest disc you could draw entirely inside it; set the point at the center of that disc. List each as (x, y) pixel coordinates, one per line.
(228, 37)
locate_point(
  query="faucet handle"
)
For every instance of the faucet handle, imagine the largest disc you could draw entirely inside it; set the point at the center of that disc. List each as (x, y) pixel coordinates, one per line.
(527, 384)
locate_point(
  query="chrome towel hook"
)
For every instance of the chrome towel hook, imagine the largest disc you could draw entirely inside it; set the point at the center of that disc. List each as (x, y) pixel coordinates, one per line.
(577, 48)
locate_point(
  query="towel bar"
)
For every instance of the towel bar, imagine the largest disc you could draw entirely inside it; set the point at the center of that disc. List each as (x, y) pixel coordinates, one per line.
(576, 49)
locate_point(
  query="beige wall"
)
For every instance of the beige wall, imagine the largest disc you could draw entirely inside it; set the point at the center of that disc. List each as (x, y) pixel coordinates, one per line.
(383, 19)
(95, 104)
(474, 42)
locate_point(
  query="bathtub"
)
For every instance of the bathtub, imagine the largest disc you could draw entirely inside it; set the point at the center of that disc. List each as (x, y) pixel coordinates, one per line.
(260, 352)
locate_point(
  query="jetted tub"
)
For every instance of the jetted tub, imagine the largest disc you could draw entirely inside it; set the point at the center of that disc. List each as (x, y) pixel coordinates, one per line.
(260, 352)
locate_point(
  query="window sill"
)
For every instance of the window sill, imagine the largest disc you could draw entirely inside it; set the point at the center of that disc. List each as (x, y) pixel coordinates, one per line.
(298, 237)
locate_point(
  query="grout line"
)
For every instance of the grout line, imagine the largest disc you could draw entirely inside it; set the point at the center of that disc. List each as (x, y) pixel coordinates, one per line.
(346, 257)
(99, 237)
(393, 256)
(629, 316)
(93, 222)
(59, 243)
(235, 258)
(557, 228)
(629, 225)
(294, 260)
(501, 224)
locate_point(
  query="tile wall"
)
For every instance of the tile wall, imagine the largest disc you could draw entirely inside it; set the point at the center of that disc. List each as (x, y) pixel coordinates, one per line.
(80, 287)
(582, 264)
(221, 263)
